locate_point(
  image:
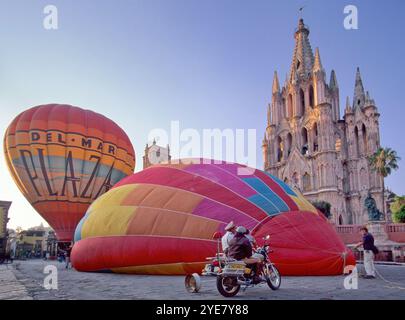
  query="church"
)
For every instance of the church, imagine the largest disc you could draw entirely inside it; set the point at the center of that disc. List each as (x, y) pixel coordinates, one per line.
(309, 146)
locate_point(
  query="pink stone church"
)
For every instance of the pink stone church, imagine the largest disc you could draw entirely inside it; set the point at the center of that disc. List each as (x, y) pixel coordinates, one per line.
(309, 145)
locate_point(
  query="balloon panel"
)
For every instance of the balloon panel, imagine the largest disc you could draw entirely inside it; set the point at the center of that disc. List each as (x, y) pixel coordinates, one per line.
(162, 220)
(64, 157)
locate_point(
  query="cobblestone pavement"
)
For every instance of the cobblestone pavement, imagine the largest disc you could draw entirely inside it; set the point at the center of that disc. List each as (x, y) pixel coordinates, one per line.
(78, 285)
(10, 287)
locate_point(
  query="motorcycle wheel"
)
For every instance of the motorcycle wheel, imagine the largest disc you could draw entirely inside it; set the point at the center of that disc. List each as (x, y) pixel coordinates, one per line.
(273, 277)
(226, 286)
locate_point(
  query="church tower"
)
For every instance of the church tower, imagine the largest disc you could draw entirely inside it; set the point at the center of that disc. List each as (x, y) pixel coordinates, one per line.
(309, 146)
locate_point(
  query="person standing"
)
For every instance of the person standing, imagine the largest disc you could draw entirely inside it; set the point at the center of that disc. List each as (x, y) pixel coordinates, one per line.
(228, 236)
(67, 256)
(369, 251)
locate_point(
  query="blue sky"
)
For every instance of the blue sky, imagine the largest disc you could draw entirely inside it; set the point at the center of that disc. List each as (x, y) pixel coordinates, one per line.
(208, 64)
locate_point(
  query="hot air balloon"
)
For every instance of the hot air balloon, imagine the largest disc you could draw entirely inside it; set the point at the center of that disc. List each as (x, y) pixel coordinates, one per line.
(62, 158)
(162, 221)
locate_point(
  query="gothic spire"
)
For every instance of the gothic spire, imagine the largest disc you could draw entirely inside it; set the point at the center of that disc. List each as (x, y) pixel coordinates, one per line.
(317, 63)
(348, 108)
(333, 84)
(276, 84)
(303, 57)
(359, 96)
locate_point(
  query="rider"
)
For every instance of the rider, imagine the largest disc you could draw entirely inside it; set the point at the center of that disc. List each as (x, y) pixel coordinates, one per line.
(230, 233)
(240, 248)
(251, 238)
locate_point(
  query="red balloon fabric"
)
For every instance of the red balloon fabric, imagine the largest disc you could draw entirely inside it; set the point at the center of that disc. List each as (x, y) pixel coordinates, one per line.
(162, 221)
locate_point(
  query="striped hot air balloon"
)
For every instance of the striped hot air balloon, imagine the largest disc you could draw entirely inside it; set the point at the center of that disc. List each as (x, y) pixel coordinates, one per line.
(162, 219)
(62, 158)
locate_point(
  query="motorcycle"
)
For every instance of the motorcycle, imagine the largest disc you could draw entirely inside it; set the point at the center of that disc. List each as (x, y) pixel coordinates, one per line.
(236, 274)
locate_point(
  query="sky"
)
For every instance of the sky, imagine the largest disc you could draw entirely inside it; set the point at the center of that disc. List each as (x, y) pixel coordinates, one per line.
(207, 64)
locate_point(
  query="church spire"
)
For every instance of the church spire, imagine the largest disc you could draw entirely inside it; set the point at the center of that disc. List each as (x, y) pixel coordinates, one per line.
(333, 84)
(348, 108)
(303, 57)
(359, 96)
(317, 63)
(276, 84)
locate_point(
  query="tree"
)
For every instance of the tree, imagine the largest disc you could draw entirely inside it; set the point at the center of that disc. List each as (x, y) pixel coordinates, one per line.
(383, 162)
(398, 209)
(324, 207)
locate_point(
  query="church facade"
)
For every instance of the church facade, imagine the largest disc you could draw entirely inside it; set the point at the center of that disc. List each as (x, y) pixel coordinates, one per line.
(307, 143)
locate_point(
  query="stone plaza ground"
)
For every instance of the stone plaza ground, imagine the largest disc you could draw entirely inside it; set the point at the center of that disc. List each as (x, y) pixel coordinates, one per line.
(24, 280)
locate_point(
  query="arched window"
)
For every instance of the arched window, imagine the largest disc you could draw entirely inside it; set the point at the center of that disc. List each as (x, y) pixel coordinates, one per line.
(304, 138)
(302, 103)
(289, 144)
(364, 133)
(356, 141)
(315, 137)
(283, 109)
(306, 181)
(290, 106)
(311, 96)
(340, 220)
(279, 149)
(295, 180)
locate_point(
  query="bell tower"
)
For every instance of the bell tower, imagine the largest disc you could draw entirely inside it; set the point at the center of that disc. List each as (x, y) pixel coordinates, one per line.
(307, 144)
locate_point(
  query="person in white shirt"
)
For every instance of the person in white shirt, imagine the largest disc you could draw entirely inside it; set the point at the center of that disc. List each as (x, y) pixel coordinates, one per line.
(228, 236)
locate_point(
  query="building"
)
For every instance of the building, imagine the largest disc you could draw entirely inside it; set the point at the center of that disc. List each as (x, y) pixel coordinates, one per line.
(35, 242)
(4, 207)
(155, 154)
(307, 143)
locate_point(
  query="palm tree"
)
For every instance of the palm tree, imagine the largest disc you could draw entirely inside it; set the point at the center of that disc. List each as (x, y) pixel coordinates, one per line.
(384, 161)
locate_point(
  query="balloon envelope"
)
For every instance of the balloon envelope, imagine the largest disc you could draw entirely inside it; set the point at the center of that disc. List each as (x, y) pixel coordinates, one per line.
(162, 221)
(62, 158)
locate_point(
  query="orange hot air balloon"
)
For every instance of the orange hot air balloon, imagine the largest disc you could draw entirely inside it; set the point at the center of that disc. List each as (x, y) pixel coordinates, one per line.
(62, 158)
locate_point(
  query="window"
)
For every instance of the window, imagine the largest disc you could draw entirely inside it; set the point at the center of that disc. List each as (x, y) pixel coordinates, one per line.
(279, 149)
(311, 96)
(302, 102)
(289, 144)
(306, 181)
(315, 137)
(304, 137)
(356, 141)
(364, 133)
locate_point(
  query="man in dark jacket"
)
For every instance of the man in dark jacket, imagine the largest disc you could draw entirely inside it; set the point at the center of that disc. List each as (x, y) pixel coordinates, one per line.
(369, 250)
(240, 247)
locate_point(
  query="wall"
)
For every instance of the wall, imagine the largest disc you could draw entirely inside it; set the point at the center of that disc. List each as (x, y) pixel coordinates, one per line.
(350, 233)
